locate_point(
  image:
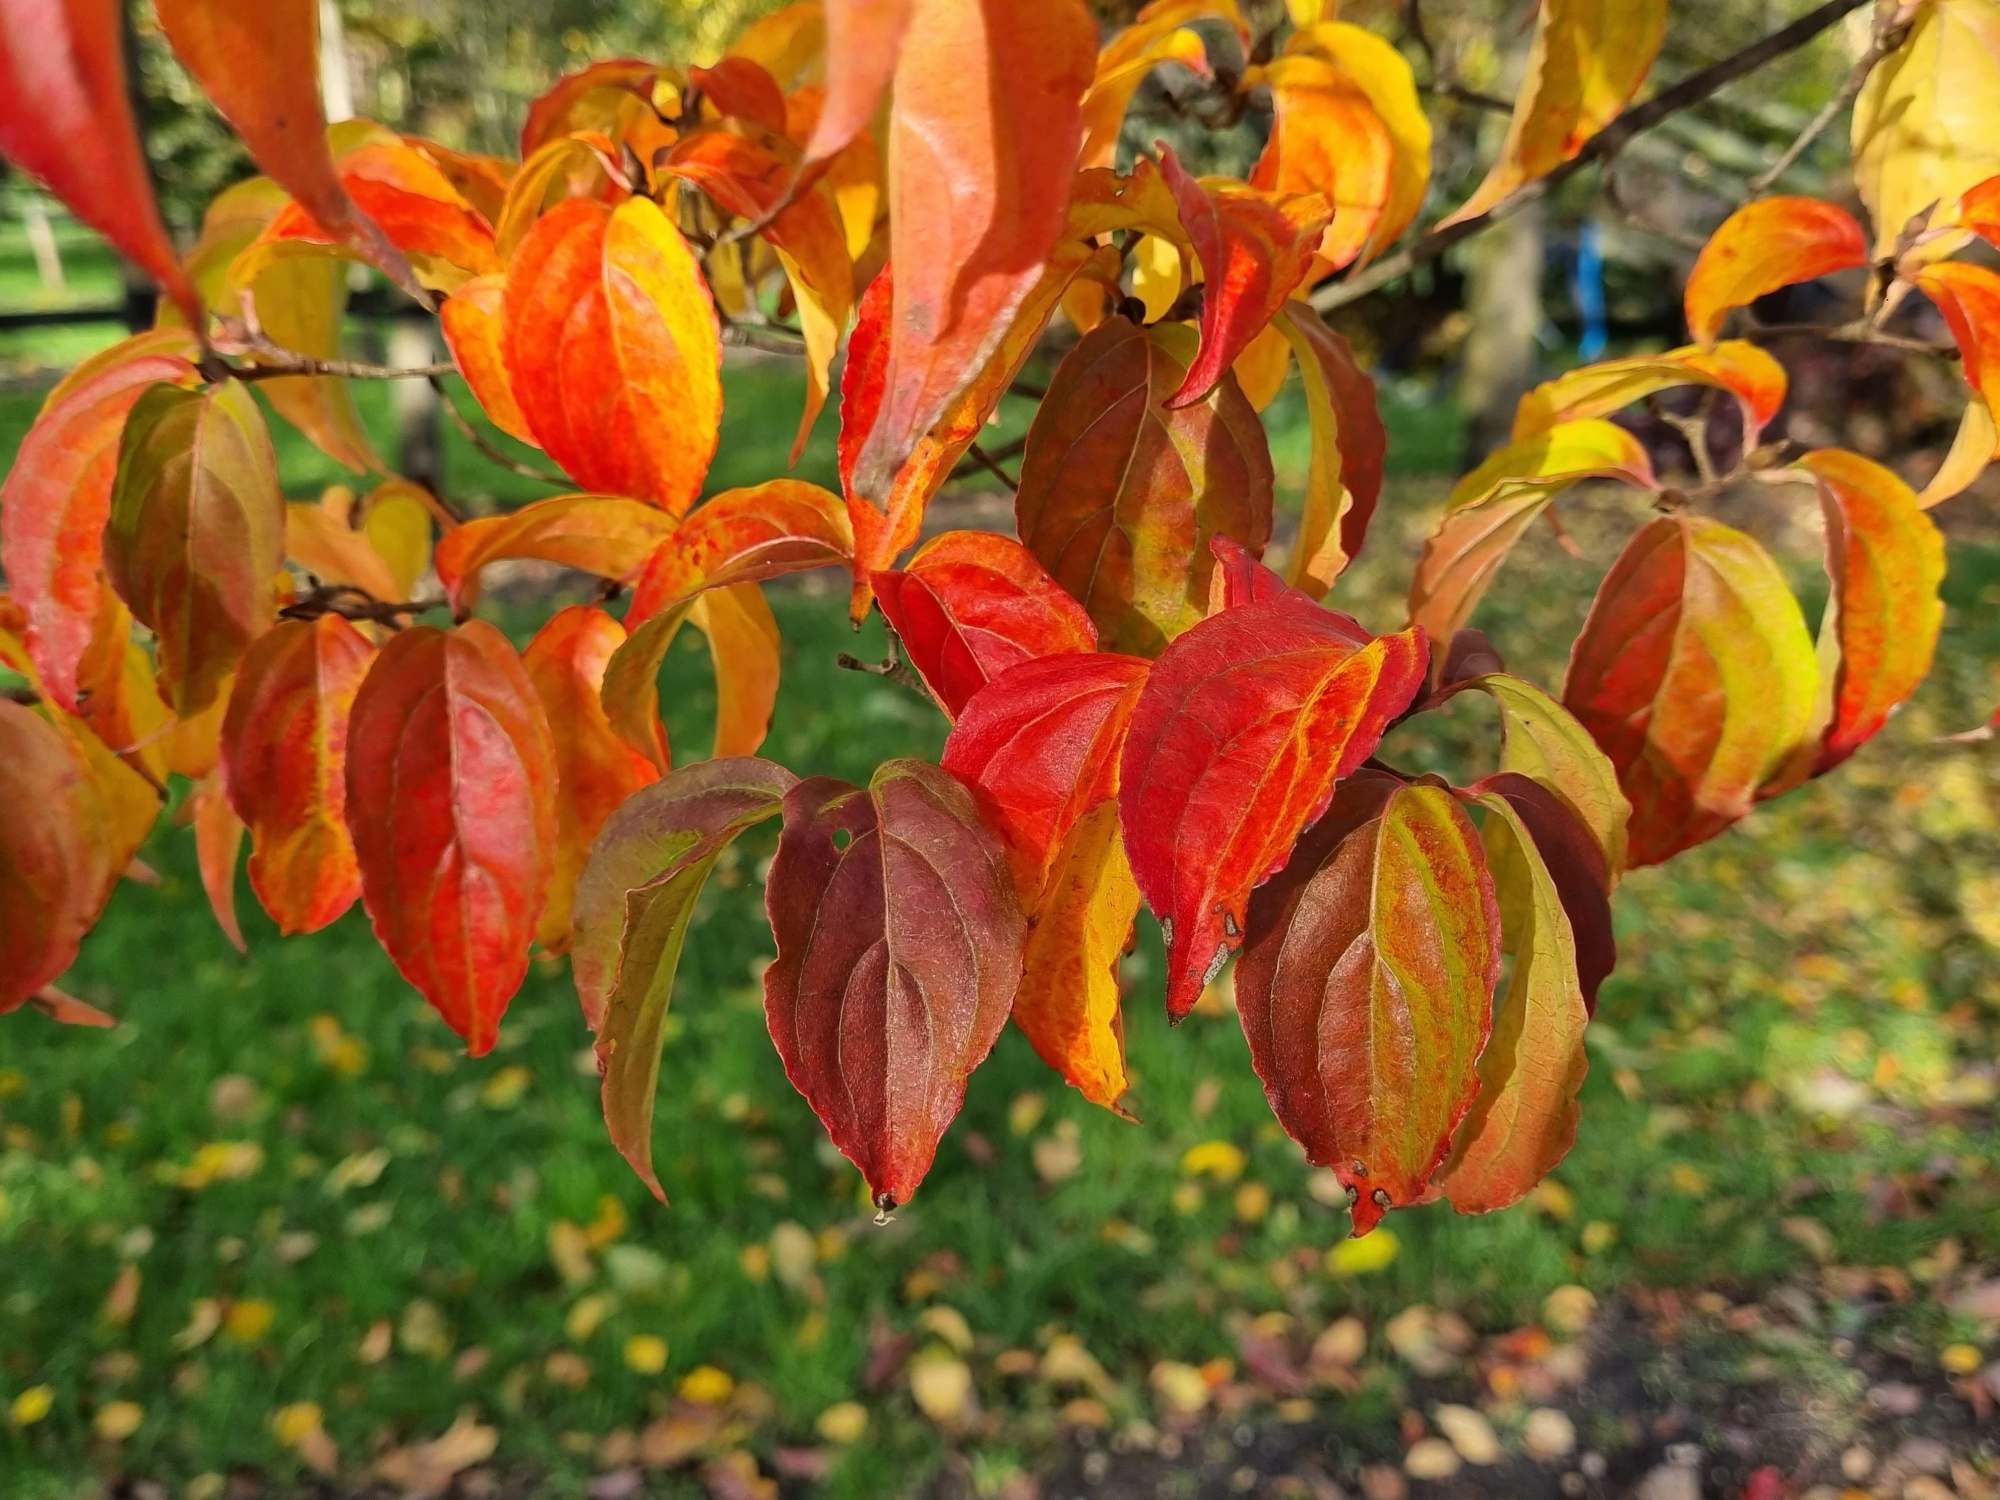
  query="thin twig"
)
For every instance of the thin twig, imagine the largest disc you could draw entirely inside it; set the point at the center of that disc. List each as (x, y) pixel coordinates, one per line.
(1614, 196)
(891, 668)
(1884, 41)
(1858, 332)
(1607, 143)
(1413, 25)
(991, 465)
(1693, 428)
(763, 336)
(352, 603)
(274, 361)
(1446, 89)
(969, 466)
(491, 450)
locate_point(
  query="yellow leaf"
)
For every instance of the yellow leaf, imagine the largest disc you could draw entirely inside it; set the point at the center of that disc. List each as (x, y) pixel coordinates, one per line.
(587, 1317)
(1357, 1257)
(1222, 1160)
(941, 1385)
(646, 1353)
(506, 1088)
(31, 1405)
(118, 1420)
(1181, 1388)
(707, 1385)
(291, 1424)
(1569, 1309)
(842, 1423)
(949, 1324)
(248, 1320)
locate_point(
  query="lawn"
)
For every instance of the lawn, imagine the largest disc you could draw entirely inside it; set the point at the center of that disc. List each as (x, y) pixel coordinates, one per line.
(275, 1218)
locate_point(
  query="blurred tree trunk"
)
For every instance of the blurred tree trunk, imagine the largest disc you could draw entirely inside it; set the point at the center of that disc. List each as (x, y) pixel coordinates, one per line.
(419, 429)
(1503, 298)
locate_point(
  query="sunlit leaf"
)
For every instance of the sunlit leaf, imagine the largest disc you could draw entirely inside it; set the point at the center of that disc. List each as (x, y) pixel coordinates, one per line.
(473, 323)
(1765, 245)
(1383, 75)
(218, 839)
(50, 876)
(864, 39)
(1160, 33)
(1349, 446)
(745, 536)
(608, 535)
(744, 644)
(1754, 378)
(1328, 139)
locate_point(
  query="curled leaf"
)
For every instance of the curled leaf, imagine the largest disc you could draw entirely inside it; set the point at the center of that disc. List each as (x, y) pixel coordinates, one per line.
(745, 536)
(1765, 245)
(608, 535)
(1328, 139)
(863, 41)
(1382, 73)
(1754, 378)
(1349, 447)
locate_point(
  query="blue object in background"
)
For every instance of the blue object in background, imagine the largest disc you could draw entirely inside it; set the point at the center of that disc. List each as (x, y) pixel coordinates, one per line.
(1590, 291)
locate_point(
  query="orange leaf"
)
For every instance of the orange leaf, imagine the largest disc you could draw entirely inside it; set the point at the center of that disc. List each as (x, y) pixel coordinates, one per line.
(218, 838)
(325, 545)
(1158, 34)
(451, 790)
(57, 497)
(1764, 245)
(745, 536)
(614, 350)
(743, 644)
(474, 330)
(740, 87)
(260, 65)
(50, 876)
(115, 693)
(608, 535)
(1120, 494)
(1754, 378)
(284, 757)
(1979, 210)
(595, 769)
(1969, 297)
(1328, 139)
(1886, 560)
(68, 122)
(614, 97)
(863, 41)
(983, 143)
(1349, 447)
(970, 605)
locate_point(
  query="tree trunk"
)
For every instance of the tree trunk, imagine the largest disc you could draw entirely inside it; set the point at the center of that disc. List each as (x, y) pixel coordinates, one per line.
(1503, 297)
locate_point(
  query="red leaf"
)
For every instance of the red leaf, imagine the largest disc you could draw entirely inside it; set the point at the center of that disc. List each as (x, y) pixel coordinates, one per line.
(1886, 560)
(1765, 245)
(608, 535)
(57, 497)
(1120, 494)
(863, 39)
(1979, 210)
(983, 144)
(591, 98)
(50, 876)
(1969, 298)
(1255, 249)
(260, 65)
(68, 122)
(284, 765)
(1239, 579)
(1349, 448)
(218, 839)
(740, 87)
(899, 951)
(973, 603)
(614, 350)
(451, 783)
(1040, 745)
(745, 536)
(595, 769)
(1245, 725)
(1366, 987)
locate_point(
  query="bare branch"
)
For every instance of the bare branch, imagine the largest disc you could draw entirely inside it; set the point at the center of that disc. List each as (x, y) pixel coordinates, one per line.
(352, 603)
(991, 465)
(492, 451)
(1860, 331)
(1885, 40)
(763, 336)
(1603, 146)
(273, 361)
(969, 466)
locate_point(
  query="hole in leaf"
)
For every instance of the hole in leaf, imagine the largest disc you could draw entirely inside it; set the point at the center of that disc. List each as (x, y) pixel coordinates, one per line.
(842, 838)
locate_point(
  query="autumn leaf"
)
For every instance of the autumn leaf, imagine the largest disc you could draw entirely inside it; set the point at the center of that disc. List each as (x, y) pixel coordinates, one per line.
(740, 87)
(1524, 1119)
(1255, 249)
(1328, 139)
(970, 605)
(1588, 59)
(749, 535)
(1160, 33)
(618, 97)
(473, 322)
(260, 66)
(451, 781)
(882, 1012)
(57, 496)
(744, 646)
(608, 535)
(1886, 560)
(613, 350)
(69, 123)
(1979, 210)
(1740, 369)
(595, 770)
(1366, 987)
(1246, 723)
(321, 540)
(983, 144)
(218, 839)
(863, 41)
(1923, 122)
(1491, 509)
(1765, 245)
(1349, 447)
(1968, 296)
(115, 691)
(634, 901)
(1120, 494)
(284, 760)
(1695, 674)
(196, 533)
(50, 876)
(1373, 65)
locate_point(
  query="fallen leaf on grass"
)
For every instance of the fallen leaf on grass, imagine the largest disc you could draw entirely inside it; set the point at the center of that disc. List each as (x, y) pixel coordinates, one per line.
(429, 1468)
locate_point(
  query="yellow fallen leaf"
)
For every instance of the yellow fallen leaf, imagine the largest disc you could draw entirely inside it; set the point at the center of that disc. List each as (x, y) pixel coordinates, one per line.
(1569, 1309)
(1222, 1160)
(428, 1468)
(646, 1353)
(941, 1385)
(1357, 1257)
(1180, 1387)
(587, 1317)
(506, 1088)
(1253, 1201)
(610, 1224)
(291, 1423)
(248, 1320)
(793, 1252)
(374, 1345)
(949, 1324)
(1599, 1235)
(708, 1385)
(31, 1406)
(1025, 1113)
(1961, 1359)
(118, 1420)
(842, 1423)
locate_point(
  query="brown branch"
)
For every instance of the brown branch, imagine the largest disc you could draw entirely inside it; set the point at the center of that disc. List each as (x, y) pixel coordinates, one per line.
(891, 668)
(352, 603)
(1858, 332)
(991, 465)
(487, 447)
(1458, 92)
(1603, 146)
(1884, 41)
(274, 361)
(763, 336)
(969, 465)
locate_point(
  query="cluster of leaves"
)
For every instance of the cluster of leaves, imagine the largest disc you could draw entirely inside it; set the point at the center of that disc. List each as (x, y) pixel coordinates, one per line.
(1142, 711)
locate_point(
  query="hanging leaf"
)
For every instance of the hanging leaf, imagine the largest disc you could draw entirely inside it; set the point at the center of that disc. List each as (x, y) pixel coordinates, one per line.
(57, 496)
(1366, 987)
(320, 540)
(1373, 65)
(899, 952)
(634, 901)
(608, 535)
(260, 66)
(745, 536)
(1969, 298)
(970, 605)
(983, 144)
(1246, 723)
(1772, 243)
(50, 876)
(197, 533)
(1886, 561)
(1979, 210)
(1973, 447)
(1492, 507)
(451, 790)
(614, 351)
(218, 839)
(1158, 34)
(586, 165)
(1754, 378)
(1349, 448)
(595, 769)
(744, 646)
(284, 767)
(68, 122)
(1695, 674)
(1588, 60)
(473, 323)
(1120, 494)
(115, 691)
(1327, 139)
(1255, 249)
(1524, 1119)
(1923, 121)
(617, 97)
(863, 41)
